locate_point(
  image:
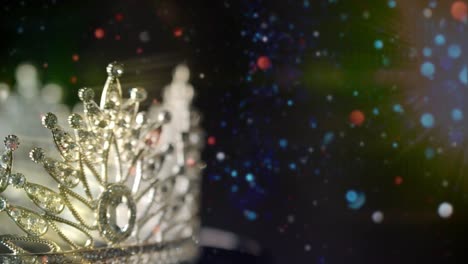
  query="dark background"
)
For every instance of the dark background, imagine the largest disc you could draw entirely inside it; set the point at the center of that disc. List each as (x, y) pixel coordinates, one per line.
(284, 123)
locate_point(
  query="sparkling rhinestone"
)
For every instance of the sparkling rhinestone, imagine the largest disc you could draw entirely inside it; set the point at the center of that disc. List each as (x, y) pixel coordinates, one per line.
(75, 121)
(11, 142)
(115, 69)
(44, 196)
(86, 94)
(60, 134)
(110, 105)
(72, 180)
(15, 213)
(71, 146)
(49, 121)
(3, 204)
(57, 203)
(138, 94)
(50, 165)
(37, 155)
(17, 179)
(92, 110)
(102, 124)
(83, 135)
(31, 221)
(32, 189)
(5, 158)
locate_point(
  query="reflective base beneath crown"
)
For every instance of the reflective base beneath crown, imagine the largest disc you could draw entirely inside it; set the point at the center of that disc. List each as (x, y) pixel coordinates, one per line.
(185, 251)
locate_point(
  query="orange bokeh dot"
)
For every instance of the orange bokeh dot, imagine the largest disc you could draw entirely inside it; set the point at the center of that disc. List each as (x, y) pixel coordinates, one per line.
(357, 117)
(178, 32)
(459, 11)
(398, 180)
(75, 57)
(264, 63)
(73, 79)
(99, 33)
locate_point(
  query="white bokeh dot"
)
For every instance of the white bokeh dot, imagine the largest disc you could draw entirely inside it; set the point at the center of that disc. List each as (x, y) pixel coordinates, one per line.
(220, 156)
(427, 12)
(144, 36)
(445, 210)
(377, 217)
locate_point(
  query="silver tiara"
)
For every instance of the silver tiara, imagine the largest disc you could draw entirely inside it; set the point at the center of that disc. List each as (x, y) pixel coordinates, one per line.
(123, 189)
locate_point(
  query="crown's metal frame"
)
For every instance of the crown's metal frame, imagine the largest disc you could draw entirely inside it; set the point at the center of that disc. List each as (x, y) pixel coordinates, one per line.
(127, 185)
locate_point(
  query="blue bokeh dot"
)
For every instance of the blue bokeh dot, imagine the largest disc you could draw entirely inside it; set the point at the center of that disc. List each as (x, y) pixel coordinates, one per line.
(351, 196)
(283, 143)
(463, 75)
(439, 40)
(378, 44)
(457, 114)
(427, 69)
(427, 52)
(454, 51)
(234, 173)
(249, 177)
(427, 120)
(250, 215)
(397, 108)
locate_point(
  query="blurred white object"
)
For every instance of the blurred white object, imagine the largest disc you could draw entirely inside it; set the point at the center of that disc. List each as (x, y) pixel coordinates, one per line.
(22, 109)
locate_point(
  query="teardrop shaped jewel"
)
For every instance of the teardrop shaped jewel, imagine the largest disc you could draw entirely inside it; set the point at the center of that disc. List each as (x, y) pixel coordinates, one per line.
(62, 172)
(31, 222)
(45, 198)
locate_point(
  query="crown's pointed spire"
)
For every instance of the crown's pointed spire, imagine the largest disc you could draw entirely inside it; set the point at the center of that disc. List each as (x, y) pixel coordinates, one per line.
(112, 94)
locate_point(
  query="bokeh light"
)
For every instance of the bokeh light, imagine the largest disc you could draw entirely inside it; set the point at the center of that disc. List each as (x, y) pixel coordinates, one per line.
(263, 63)
(99, 33)
(357, 117)
(459, 11)
(445, 210)
(377, 217)
(427, 120)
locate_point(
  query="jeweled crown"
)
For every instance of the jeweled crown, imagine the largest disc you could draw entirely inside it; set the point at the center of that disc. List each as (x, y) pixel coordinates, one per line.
(124, 187)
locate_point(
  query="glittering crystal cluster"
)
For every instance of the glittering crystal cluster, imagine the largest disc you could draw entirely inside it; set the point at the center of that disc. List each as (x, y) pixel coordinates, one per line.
(125, 183)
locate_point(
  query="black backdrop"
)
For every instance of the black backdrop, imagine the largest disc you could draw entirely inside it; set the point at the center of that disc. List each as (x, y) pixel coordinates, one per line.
(290, 154)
